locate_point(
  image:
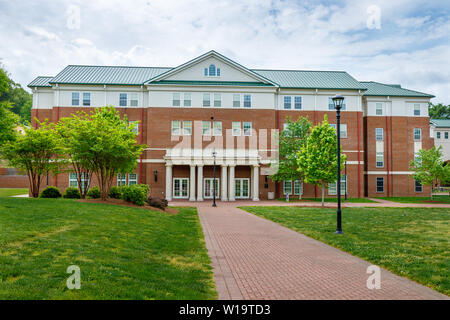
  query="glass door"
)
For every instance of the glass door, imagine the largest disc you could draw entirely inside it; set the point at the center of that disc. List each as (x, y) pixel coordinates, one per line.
(180, 188)
(208, 190)
(242, 188)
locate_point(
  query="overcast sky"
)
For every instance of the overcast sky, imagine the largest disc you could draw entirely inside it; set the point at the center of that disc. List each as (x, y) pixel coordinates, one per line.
(409, 43)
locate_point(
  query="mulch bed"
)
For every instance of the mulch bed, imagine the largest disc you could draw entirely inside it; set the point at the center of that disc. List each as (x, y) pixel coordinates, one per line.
(119, 202)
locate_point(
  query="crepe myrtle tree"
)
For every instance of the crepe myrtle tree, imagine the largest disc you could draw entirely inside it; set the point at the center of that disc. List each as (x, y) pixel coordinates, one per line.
(292, 138)
(37, 152)
(317, 159)
(429, 168)
(104, 144)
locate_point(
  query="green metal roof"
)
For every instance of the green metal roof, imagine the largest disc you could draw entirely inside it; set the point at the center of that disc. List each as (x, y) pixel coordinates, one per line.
(41, 82)
(305, 79)
(440, 123)
(392, 90)
(212, 83)
(100, 75)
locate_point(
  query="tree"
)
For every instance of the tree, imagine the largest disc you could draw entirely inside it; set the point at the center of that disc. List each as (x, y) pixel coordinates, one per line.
(105, 145)
(8, 120)
(37, 152)
(318, 157)
(438, 111)
(429, 168)
(291, 141)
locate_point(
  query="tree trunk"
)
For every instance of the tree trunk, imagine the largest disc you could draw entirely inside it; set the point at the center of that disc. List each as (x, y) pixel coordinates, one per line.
(301, 191)
(431, 193)
(323, 196)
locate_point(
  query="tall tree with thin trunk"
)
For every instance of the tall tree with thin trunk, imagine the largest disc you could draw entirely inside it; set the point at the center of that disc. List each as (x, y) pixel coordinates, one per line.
(292, 138)
(429, 168)
(37, 153)
(318, 157)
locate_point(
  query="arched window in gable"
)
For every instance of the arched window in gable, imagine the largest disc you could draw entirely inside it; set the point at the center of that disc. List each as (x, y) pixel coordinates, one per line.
(212, 70)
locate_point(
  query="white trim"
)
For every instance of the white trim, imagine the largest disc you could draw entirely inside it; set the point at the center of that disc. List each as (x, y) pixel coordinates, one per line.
(181, 188)
(212, 194)
(390, 172)
(241, 180)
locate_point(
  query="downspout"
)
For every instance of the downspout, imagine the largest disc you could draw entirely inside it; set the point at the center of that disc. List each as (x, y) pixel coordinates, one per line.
(278, 126)
(359, 152)
(37, 108)
(142, 139)
(315, 123)
(387, 151)
(57, 119)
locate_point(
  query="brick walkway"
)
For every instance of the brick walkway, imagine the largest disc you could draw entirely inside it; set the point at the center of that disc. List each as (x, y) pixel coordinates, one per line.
(254, 258)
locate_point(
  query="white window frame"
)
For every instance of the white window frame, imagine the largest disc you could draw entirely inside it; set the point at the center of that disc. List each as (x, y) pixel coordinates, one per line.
(206, 103)
(249, 130)
(295, 104)
(332, 187)
(249, 102)
(136, 126)
(176, 102)
(73, 182)
(331, 104)
(134, 99)
(206, 125)
(446, 135)
(298, 185)
(417, 184)
(88, 103)
(234, 128)
(78, 99)
(438, 134)
(121, 179)
(379, 132)
(187, 97)
(121, 99)
(379, 164)
(187, 128)
(416, 109)
(343, 131)
(417, 133)
(378, 108)
(173, 128)
(181, 188)
(217, 100)
(134, 180)
(287, 102)
(217, 128)
(289, 183)
(238, 104)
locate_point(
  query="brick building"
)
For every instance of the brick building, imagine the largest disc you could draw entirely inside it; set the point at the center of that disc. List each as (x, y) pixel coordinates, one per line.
(212, 105)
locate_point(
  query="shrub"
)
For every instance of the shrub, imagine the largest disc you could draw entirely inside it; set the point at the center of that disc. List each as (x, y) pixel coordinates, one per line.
(144, 187)
(134, 194)
(51, 192)
(115, 192)
(157, 203)
(94, 193)
(72, 193)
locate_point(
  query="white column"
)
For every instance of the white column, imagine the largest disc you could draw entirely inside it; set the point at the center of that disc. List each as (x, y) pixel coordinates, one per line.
(192, 184)
(200, 183)
(231, 184)
(255, 183)
(224, 183)
(169, 182)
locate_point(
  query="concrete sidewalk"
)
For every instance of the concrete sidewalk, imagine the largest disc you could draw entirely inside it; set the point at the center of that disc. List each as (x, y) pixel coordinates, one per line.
(254, 258)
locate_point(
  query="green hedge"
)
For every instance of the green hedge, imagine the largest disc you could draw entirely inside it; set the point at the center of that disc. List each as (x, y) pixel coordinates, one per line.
(72, 193)
(94, 193)
(135, 194)
(50, 192)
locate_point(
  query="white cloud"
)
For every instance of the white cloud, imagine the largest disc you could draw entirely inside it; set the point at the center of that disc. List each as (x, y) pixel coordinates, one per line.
(410, 48)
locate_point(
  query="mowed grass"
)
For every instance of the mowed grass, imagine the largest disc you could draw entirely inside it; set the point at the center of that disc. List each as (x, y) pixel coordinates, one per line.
(436, 199)
(123, 253)
(352, 200)
(9, 192)
(411, 242)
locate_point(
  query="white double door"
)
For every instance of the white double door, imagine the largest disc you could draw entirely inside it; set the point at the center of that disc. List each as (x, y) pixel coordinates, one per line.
(242, 188)
(208, 189)
(181, 188)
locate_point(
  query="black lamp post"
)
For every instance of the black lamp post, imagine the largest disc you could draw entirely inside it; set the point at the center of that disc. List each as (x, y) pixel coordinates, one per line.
(345, 180)
(214, 180)
(338, 100)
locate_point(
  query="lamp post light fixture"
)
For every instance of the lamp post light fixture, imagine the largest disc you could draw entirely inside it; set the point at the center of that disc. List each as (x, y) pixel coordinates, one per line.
(214, 179)
(338, 101)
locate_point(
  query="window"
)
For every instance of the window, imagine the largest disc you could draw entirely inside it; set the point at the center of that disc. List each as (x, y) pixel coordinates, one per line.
(287, 103)
(136, 126)
(417, 109)
(236, 100)
(247, 101)
(121, 179)
(380, 184)
(132, 179)
(379, 159)
(297, 103)
(134, 99)
(218, 72)
(217, 128)
(446, 135)
(379, 134)
(75, 98)
(332, 187)
(187, 99)
(187, 128)
(343, 129)
(176, 127)
(123, 100)
(73, 182)
(287, 187)
(236, 127)
(212, 70)
(247, 128)
(86, 98)
(206, 72)
(379, 109)
(206, 128)
(217, 100)
(298, 188)
(331, 104)
(417, 134)
(206, 100)
(176, 102)
(438, 135)
(417, 186)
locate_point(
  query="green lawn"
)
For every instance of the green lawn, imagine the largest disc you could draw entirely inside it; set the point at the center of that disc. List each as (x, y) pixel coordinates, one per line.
(123, 252)
(437, 199)
(411, 242)
(354, 200)
(9, 192)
